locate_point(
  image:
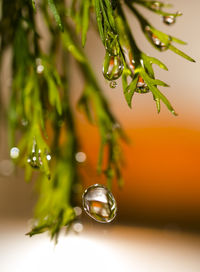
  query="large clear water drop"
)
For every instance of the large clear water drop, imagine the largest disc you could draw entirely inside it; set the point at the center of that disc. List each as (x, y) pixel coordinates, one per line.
(99, 203)
(112, 67)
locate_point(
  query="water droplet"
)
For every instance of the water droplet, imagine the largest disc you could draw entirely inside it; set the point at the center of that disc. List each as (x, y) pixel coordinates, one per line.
(77, 227)
(112, 67)
(40, 69)
(156, 41)
(156, 5)
(14, 152)
(24, 122)
(113, 84)
(34, 160)
(39, 66)
(99, 203)
(169, 20)
(48, 156)
(80, 157)
(78, 211)
(141, 86)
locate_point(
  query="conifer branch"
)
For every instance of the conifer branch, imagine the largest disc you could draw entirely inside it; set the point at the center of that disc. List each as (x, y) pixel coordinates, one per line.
(40, 108)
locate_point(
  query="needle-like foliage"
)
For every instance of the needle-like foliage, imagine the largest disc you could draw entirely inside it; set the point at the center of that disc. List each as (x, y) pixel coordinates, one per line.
(40, 109)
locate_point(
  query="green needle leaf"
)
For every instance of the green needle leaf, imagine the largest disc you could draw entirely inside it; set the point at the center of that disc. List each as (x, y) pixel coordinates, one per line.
(130, 90)
(158, 82)
(179, 52)
(174, 39)
(157, 94)
(85, 20)
(158, 62)
(56, 14)
(157, 104)
(99, 19)
(33, 5)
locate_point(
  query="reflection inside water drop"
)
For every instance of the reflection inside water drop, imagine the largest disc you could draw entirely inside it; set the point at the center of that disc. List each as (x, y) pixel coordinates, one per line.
(99, 203)
(112, 67)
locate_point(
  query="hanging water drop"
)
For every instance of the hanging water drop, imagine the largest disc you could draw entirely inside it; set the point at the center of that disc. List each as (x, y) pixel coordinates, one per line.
(34, 160)
(112, 67)
(156, 41)
(156, 5)
(99, 203)
(169, 20)
(113, 84)
(141, 86)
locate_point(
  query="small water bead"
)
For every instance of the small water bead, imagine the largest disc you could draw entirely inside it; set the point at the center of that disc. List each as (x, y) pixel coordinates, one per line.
(112, 67)
(141, 86)
(113, 84)
(99, 203)
(39, 66)
(169, 20)
(24, 122)
(77, 227)
(78, 211)
(156, 5)
(48, 156)
(14, 152)
(80, 157)
(155, 40)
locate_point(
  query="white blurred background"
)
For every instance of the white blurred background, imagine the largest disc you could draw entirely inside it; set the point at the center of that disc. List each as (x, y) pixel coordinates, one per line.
(118, 247)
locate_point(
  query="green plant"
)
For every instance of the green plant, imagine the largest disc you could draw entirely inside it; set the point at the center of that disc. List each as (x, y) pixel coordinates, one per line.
(41, 88)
